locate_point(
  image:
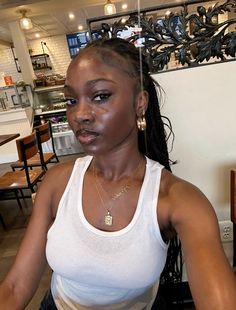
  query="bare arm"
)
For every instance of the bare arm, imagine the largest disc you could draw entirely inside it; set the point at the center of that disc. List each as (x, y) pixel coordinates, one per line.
(22, 280)
(211, 278)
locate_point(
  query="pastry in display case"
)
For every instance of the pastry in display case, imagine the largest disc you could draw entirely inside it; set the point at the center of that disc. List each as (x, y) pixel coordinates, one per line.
(43, 80)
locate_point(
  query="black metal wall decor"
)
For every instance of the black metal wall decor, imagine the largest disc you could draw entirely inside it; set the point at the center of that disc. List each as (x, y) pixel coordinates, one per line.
(189, 38)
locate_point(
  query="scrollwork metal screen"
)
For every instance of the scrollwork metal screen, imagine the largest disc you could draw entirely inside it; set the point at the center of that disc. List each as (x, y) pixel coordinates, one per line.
(176, 35)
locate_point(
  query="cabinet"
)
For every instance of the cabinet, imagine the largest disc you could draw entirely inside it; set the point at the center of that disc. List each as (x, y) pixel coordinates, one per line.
(49, 105)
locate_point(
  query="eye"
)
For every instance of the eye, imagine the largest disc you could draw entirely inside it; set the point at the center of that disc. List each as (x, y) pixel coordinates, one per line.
(70, 101)
(101, 97)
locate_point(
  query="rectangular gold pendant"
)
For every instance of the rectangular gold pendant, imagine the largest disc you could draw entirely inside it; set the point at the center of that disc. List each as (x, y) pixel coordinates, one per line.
(108, 219)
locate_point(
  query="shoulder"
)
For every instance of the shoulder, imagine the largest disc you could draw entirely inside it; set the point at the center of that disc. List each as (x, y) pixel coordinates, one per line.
(181, 202)
(57, 176)
(53, 186)
(60, 170)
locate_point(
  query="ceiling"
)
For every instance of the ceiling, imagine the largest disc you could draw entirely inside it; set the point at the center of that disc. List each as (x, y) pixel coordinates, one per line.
(50, 17)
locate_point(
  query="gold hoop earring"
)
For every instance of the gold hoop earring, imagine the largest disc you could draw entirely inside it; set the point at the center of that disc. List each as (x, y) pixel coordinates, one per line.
(141, 122)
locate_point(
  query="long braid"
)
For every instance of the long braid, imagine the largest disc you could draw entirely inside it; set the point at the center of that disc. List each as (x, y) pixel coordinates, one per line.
(155, 133)
(155, 147)
(153, 143)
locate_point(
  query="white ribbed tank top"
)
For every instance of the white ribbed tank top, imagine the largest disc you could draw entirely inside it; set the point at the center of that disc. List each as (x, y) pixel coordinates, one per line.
(94, 269)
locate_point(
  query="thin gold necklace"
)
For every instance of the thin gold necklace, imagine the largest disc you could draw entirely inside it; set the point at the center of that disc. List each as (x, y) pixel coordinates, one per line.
(108, 219)
(124, 189)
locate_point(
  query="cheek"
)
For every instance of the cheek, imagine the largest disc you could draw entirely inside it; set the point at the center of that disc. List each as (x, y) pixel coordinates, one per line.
(69, 115)
(118, 122)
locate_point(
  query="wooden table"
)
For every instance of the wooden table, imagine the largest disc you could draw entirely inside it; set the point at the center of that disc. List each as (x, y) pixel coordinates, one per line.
(7, 138)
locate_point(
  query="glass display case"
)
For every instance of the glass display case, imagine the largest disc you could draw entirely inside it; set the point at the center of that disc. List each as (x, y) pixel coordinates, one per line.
(15, 96)
(49, 104)
(49, 99)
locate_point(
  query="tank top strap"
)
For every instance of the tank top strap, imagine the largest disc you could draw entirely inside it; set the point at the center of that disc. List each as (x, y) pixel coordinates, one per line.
(154, 178)
(78, 172)
(76, 179)
(150, 205)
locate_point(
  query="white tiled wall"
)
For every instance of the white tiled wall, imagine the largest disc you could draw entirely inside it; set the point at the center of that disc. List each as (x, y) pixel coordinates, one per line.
(55, 46)
(7, 64)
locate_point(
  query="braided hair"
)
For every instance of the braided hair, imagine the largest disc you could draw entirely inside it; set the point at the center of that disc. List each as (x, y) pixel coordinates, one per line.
(153, 142)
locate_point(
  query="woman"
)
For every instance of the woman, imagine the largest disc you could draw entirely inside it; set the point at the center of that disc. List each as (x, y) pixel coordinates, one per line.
(106, 220)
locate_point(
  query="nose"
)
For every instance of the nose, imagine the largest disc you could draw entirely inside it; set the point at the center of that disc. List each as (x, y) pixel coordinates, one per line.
(83, 112)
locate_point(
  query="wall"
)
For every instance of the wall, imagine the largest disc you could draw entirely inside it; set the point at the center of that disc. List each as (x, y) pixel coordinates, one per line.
(58, 51)
(7, 64)
(200, 103)
(56, 47)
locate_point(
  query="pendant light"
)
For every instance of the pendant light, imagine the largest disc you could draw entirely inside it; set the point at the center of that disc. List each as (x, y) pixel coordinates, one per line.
(25, 22)
(109, 8)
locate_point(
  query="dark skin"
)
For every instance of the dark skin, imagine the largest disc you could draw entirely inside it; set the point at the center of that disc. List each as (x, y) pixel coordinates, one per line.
(103, 105)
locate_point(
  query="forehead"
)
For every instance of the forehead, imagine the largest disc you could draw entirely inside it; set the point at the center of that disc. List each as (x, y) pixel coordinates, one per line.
(89, 69)
(104, 60)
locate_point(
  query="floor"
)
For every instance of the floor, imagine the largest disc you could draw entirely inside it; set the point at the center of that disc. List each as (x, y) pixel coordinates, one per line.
(16, 221)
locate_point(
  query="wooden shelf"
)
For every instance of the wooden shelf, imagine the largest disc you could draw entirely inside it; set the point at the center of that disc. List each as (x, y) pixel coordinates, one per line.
(43, 68)
(48, 88)
(39, 55)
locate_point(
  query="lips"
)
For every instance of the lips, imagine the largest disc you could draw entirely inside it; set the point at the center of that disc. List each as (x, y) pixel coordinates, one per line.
(85, 136)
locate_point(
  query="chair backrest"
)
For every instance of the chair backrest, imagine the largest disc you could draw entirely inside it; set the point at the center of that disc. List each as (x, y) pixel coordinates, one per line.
(44, 132)
(27, 147)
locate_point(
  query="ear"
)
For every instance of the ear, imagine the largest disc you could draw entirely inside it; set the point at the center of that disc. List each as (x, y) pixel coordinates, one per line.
(141, 102)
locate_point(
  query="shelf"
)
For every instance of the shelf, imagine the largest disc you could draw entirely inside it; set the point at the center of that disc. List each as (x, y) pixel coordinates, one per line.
(40, 62)
(13, 86)
(39, 55)
(63, 133)
(43, 68)
(50, 112)
(59, 124)
(45, 89)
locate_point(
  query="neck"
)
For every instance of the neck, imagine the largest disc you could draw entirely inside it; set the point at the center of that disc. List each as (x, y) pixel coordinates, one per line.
(117, 166)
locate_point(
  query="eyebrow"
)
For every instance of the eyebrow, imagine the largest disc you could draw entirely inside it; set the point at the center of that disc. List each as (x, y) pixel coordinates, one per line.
(93, 82)
(90, 83)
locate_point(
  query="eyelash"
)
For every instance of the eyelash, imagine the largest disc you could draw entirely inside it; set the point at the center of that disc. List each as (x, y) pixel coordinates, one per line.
(103, 98)
(70, 101)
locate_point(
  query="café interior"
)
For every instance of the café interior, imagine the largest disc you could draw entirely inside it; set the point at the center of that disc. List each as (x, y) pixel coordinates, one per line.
(38, 39)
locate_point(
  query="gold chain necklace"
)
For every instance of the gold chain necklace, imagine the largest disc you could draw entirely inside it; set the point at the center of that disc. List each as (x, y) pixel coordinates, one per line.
(124, 189)
(108, 219)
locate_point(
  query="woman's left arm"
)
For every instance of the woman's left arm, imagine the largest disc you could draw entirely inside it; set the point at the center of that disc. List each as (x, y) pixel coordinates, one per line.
(211, 278)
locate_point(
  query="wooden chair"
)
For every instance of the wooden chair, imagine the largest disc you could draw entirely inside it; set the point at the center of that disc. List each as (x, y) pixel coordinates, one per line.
(233, 210)
(14, 182)
(43, 134)
(2, 222)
